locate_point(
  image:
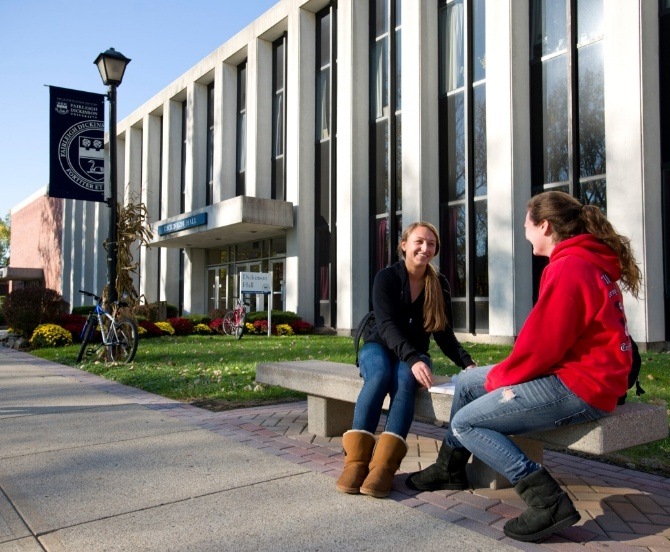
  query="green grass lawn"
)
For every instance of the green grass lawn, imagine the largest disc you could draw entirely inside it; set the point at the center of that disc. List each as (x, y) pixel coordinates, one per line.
(218, 372)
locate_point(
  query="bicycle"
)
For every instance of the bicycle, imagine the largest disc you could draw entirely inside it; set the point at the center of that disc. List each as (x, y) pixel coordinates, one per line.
(119, 335)
(233, 321)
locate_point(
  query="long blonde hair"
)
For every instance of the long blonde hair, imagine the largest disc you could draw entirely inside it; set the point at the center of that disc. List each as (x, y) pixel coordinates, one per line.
(434, 313)
(569, 218)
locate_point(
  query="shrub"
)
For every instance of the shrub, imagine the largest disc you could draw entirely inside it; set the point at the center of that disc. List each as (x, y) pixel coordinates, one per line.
(172, 311)
(199, 319)
(202, 329)
(84, 310)
(284, 329)
(166, 327)
(50, 335)
(151, 329)
(216, 325)
(278, 317)
(27, 308)
(301, 327)
(73, 323)
(149, 312)
(141, 332)
(217, 313)
(182, 326)
(261, 327)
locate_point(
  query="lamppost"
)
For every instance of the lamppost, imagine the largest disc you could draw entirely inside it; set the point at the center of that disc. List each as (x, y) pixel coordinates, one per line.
(112, 65)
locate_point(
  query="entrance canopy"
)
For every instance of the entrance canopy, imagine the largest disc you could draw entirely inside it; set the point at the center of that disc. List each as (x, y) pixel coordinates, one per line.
(235, 220)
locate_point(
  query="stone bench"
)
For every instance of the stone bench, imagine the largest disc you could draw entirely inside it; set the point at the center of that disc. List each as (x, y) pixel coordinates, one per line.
(332, 389)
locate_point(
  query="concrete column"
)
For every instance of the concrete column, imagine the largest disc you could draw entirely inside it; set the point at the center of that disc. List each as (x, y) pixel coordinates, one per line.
(66, 252)
(99, 253)
(353, 217)
(171, 184)
(196, 146)
(195, 278)
(420, 125)
(300, 86)
(632, 136)
(131, 186)
(259, 119)
(170, 198)
(77, 249)
(508, 139)
(225, 122)
(150, 197)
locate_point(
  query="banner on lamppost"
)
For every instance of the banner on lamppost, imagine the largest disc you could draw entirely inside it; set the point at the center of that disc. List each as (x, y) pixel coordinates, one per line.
(76, 145)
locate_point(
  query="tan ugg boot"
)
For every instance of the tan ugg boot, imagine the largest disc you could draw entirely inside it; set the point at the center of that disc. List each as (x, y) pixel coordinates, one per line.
(389, 452)
(358, 446)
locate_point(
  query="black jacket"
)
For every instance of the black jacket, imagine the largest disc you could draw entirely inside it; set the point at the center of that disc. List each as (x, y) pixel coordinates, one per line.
(399, 323)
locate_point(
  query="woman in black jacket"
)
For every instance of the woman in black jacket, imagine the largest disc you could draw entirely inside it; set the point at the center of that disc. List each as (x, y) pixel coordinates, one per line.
(411, 302)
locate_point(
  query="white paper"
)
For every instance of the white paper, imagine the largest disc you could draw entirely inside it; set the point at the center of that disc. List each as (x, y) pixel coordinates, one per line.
(445, 388)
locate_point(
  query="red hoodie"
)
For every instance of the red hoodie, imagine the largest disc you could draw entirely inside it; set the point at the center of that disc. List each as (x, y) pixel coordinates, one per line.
(577, 329)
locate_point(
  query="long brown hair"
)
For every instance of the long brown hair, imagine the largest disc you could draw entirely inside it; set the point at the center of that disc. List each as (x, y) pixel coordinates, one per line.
(434, 313)
(569, 218)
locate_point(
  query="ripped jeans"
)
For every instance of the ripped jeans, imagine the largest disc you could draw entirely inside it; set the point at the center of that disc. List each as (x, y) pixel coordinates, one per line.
(481, 421)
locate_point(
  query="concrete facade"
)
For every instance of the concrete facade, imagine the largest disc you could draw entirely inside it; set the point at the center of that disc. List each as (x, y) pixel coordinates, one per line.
(163, 160)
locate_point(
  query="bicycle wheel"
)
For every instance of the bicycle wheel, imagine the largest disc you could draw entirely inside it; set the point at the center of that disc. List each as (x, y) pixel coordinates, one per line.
(123, 337)
(228, 324)
(86, 335)
(239, 328)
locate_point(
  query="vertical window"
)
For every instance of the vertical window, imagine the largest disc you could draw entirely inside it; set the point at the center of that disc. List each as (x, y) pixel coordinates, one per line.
(325, 177)
(567, 103)
(241, 158)
(664, 90)
(463, 160)
(184, 136)
(279, 118)
(567, 98)
(209, 192)
(385, 130)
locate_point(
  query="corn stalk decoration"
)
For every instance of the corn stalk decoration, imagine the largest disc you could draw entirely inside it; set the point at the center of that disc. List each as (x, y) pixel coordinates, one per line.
(132, 232)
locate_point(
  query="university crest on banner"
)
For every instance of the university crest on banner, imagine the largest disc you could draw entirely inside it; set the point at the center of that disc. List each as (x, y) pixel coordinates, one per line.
(76, 143)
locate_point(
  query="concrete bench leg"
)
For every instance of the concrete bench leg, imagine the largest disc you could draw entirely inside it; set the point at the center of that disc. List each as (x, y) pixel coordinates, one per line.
(328, 417)
(481, 476)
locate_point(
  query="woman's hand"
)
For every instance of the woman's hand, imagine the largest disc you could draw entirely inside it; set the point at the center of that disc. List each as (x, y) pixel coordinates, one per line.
(473, 365)
(423, 373)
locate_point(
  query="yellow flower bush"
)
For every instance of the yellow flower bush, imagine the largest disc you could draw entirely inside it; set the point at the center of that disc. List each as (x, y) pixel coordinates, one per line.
(166, 327)
(50, 335)
(202, 329)
(141, 332)
(284, 329)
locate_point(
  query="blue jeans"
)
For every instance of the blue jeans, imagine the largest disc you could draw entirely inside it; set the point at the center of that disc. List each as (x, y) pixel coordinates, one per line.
(383, 373)
(481, 421)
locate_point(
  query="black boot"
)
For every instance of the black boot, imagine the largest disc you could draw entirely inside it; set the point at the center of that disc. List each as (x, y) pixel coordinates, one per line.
(446, 474)
(549, 509)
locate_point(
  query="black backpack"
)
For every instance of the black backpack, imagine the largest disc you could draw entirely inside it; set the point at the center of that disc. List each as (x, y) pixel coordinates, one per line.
(366, 327)
(634, 374)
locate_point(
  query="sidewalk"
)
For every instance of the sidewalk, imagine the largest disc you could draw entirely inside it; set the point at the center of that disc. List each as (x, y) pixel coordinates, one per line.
(89, 465)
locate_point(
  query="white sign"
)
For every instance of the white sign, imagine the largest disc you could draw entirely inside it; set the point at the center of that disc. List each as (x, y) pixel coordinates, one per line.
(255, 282)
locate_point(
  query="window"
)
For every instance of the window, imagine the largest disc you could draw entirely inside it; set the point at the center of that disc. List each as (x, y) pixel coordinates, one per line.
(241, 161)
(385, 130)
(567, 98)
(184, 137)
(567, 103)
(463, 160)
(209, 192)
(279, 118)
(325, 177)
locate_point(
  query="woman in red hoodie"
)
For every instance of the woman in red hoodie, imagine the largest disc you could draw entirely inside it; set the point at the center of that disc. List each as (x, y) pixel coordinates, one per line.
(569, 364)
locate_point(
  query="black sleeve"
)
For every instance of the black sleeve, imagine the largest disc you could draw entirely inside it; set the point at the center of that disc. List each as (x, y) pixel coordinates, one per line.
(446, 339)
(387, 304)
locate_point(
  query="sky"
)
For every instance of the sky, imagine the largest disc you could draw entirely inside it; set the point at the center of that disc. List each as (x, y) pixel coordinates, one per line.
(54, 43)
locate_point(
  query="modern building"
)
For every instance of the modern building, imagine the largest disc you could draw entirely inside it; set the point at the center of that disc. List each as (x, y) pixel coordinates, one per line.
(303, 144)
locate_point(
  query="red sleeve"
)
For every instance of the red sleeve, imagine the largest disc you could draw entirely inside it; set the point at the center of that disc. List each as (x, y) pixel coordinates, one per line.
(552, 327)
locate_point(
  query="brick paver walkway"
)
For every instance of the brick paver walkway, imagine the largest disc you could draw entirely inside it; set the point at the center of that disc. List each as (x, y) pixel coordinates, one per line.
(622, 509)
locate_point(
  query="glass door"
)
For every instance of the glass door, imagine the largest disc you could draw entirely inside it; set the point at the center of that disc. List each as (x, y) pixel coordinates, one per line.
(217, 288)
(277, 269)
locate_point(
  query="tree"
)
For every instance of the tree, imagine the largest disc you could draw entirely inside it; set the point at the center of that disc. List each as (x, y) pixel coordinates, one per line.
(4, 240)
